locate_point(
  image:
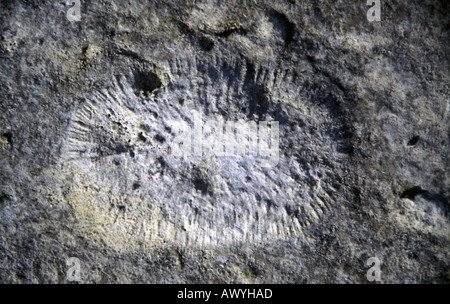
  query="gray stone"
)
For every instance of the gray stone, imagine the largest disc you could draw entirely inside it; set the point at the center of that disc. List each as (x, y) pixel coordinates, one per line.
(91, 111)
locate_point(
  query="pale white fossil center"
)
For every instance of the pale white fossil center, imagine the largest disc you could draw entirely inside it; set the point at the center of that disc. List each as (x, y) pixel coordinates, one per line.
(138, 166)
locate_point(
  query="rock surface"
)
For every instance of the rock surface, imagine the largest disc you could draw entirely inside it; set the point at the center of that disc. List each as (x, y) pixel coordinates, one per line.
(89, 111)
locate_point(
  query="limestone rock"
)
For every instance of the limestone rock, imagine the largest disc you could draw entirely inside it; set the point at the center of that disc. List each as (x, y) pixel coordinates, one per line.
(93, 111)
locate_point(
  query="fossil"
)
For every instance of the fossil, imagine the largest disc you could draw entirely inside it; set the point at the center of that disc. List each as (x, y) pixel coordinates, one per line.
(124, 181)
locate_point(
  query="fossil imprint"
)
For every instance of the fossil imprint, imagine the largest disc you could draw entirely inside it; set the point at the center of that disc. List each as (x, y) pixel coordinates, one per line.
(124, 179)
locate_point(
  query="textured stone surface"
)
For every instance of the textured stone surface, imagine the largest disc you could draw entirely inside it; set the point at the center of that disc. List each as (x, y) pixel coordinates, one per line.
(88, 110)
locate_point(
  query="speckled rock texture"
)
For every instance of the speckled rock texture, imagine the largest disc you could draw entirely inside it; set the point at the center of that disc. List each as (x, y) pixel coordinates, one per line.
(92, 111)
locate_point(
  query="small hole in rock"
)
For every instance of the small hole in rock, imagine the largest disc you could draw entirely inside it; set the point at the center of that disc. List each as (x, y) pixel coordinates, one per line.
(146, 82)
(412, 192)
(8, 136)
(413, 140)
(159, 138)
(207, 43)
(142, 137)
